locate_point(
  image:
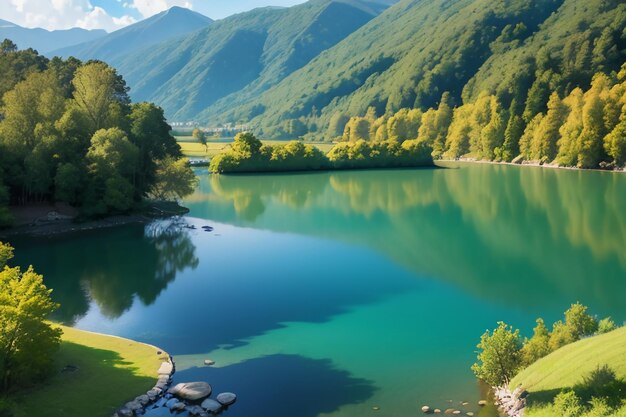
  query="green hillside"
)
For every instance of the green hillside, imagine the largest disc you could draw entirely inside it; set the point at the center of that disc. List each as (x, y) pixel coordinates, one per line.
(569, 365)
(237, 58)
(418, 49)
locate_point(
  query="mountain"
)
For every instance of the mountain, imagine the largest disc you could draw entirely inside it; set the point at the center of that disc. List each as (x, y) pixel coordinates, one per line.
(418, 49)
(235, 59)
(45, 40)
(159, 28)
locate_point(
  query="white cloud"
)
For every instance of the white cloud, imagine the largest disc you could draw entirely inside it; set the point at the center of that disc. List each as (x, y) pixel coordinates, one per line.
(60, 14)
(149, 8)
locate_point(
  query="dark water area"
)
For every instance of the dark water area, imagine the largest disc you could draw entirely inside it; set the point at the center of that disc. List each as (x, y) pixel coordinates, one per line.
(329, 294)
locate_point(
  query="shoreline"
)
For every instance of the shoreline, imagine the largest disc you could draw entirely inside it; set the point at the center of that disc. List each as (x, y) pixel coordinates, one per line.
(528, 164)
(53, 222)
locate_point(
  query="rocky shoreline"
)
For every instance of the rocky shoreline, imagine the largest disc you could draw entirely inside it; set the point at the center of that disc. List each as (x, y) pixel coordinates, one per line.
(511, 403)
(190, 397)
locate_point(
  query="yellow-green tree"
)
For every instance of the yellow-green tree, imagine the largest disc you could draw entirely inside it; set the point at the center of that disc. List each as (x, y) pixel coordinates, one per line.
(544, 141)
(571, 129)
(27, 341)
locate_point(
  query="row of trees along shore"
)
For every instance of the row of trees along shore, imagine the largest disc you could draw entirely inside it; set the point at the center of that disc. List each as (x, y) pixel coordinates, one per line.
(249, 154)
(576, 128)
(69, 133)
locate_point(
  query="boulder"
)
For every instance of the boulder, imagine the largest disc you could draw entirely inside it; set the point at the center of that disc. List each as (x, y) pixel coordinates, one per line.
(437, 411)
(209, 362)
(226, 398)
(125, 412)
(426, 409)
(166, 369)
(143, 400)
(191, 391)
(482, 403)
(195, 410)
(211, 405)
(134, 406)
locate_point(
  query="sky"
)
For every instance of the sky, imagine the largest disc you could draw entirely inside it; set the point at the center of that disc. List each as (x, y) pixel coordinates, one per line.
(115, 14)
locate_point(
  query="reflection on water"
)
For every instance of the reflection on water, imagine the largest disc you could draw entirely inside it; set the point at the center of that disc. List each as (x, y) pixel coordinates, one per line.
(494, 230)
(327, 294)
(111, 268)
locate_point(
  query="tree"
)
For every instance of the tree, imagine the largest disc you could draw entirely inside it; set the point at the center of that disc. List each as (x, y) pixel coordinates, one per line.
(27, 341)
(561, 335)
(111, 162)
(499, 358)
(337, 124)
(100, 96)
(246, 145)
(545, 138)
(606, 325)
(579, 322)
(512, 134)
(571, 129)
(200, 136)
(174, 179)
(538, 345)
(458, 141)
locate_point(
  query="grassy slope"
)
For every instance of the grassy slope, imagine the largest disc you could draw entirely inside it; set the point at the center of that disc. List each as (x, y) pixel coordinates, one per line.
(111, 372)
(568, 365)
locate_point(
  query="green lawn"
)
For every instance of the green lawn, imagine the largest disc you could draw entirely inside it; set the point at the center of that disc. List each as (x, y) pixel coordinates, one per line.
(569, 365)
(192, 148)
(111, 371)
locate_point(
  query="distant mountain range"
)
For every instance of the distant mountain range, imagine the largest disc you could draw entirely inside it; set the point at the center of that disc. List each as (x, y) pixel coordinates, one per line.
(157, 29)
(43, 40)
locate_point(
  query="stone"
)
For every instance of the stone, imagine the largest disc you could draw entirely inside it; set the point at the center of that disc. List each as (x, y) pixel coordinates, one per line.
(426, 409)
(226, 398)
(161, 402)
(125, 412)
(448, 411)
(166, 369)
(456, 412)
(191, 391)
(211, 405)
(482, 403)
(437, 411)
(134, 405)
(469, 413)
(464, 403)
(143, 400)
(171, 402)
(376, 408)
(209, 362)
(195, 410)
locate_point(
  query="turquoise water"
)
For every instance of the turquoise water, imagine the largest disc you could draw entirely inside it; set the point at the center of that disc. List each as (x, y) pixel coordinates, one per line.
(328, 294)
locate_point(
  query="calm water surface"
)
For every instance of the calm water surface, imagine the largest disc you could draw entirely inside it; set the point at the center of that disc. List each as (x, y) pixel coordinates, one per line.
(327, 294)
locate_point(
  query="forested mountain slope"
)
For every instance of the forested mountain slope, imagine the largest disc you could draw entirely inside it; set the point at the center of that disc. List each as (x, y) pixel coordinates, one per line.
(159, 28)
(239, 57)
(45, 40)
(418, 49)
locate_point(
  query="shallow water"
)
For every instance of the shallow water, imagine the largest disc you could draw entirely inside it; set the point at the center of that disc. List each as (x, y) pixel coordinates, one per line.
(328, 294)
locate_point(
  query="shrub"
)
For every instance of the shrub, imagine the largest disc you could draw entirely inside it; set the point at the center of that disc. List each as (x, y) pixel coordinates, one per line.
(568, 404)
(606, 325)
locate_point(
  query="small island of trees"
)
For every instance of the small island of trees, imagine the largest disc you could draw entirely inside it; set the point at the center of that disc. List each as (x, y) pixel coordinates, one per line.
(249, 154)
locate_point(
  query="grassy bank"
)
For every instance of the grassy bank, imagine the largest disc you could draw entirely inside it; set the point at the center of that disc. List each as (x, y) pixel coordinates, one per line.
(194, 149)
(568, 367)
(109, 371)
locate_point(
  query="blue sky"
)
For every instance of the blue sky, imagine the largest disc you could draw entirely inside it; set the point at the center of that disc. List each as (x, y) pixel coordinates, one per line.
(114, 14)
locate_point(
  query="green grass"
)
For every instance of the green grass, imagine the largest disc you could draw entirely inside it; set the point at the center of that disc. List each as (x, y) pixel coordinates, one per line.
(568, 366)
(192, 148)
(111, 371)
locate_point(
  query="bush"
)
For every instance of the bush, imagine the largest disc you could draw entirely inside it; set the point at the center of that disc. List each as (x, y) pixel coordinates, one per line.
(606, 325)
(568, 404)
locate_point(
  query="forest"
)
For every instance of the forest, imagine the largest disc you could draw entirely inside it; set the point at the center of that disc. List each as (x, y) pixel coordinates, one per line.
(70, 133)
(584, 129)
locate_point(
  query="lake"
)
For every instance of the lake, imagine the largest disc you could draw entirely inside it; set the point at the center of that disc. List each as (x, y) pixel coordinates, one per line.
(328, 294)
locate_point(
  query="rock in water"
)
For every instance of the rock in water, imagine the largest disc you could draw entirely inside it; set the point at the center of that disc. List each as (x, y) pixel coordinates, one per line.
(482, 403)
(426, 409)
(211, 405)
(191, 391)
(209, 362)
(226, 398)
